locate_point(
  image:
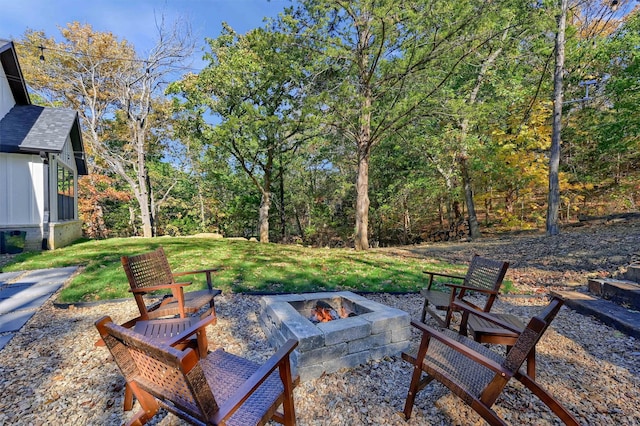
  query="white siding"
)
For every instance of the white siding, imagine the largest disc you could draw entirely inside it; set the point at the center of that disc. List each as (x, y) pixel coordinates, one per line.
(6, 97)
(66, 156)
(21, 189)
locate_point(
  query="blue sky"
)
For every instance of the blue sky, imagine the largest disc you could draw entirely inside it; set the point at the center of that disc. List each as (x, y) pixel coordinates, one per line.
(134, 20)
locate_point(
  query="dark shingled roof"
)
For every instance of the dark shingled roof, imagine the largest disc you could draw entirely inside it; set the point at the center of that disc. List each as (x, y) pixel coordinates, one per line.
(28, 129)
(32, 128)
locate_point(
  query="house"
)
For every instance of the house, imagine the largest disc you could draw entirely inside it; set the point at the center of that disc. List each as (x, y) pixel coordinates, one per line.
(41, 157)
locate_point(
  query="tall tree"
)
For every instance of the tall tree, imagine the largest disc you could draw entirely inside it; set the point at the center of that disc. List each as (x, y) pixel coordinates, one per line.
(371, 51)
(112, 89)
(254, 84)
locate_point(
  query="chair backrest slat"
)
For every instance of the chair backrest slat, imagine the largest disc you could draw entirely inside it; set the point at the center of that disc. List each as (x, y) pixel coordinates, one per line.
(148, 269)
(485, 274)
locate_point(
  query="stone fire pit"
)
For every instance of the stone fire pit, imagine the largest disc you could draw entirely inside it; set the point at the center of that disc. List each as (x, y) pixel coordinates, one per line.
(374, 331)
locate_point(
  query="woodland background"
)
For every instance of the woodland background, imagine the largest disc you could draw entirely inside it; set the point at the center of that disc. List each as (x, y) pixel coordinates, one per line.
(344, 120)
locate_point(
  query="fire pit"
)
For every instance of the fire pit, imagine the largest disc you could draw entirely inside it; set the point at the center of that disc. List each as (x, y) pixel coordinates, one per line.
(334, 330)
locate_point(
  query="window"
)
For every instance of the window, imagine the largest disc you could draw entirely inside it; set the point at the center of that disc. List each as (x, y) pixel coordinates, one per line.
(66, 187)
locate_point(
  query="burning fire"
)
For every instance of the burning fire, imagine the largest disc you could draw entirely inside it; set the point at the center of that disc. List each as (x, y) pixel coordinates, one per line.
(324, 312)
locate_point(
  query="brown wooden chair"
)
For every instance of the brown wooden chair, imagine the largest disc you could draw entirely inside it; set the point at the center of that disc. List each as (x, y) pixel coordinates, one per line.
(497, 329)
(474, 372)
(483, 276)
(150, 272)
(181, 333)
(219, 389)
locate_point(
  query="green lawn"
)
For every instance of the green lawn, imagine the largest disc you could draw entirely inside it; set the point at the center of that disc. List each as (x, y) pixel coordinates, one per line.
(247, 267)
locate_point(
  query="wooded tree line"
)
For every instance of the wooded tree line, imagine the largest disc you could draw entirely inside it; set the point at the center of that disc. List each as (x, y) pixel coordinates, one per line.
(353, 123)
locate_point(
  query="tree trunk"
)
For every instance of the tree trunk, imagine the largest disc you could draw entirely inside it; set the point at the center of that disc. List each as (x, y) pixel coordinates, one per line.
(283, 218)
(265, 201)
(143, 195)
(263, 220)
(132, 220)
(203, 219)
(554, 155)
(474, 228)
(362, 199)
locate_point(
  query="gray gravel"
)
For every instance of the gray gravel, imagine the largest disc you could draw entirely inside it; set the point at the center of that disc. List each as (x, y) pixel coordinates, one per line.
(51, 373)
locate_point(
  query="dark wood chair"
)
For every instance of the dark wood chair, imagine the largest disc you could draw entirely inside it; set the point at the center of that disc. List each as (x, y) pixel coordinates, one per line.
(218, 389)
(150, 272)
(497, 329)
(474, 372)
(180, 333)
(484, 276)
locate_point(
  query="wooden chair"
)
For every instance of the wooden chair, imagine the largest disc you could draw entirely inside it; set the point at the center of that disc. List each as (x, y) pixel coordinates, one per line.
(483, 276)
(181, 333)
(474, 372)
(150, 272)
(497, 329)
(219, 389)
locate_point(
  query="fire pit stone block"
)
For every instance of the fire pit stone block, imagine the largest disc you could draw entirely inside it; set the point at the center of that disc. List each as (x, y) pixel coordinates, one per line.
(376, 331)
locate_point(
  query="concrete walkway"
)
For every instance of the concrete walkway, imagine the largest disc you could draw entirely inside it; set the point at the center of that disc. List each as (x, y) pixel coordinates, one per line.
(23, 292)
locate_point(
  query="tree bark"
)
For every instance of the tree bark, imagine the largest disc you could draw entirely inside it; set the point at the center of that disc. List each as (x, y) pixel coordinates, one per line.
(265, 201)
(283, 217)
(554, 155)
(474, 228)
(362, 200)
(142, 195)
(265, 204)
(362, 181)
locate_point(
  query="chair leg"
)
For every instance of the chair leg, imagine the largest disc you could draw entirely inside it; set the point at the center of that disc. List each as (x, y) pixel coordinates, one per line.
(414, 387)
(447, 318)
(488, 414)
(424, 311)
(128, 398)
(547, 399)
(531, 363)
(149, 406)
(288, 408)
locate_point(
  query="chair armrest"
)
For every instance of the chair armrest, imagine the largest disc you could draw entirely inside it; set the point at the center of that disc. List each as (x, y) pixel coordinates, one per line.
(159, 287)
(252, 383)
(438, 274)
(199, 271)
(207, 272)
(463, 349)
(463, 306)
(477, 289)
(443, 275)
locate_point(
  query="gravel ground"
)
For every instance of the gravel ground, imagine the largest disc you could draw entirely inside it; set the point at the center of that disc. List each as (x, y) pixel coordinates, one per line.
(51, 372)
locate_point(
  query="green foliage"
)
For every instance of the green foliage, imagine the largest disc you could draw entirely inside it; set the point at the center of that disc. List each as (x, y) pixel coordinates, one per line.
(282, 116)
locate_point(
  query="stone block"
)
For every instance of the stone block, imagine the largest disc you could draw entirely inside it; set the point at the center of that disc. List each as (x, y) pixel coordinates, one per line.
(310, 372)
(347, 361)
(321, 355)
(344, 330)
(387, 319)
(391, 349)
(14, 321)
(372, 341)
(4, 339)
(401, 334)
